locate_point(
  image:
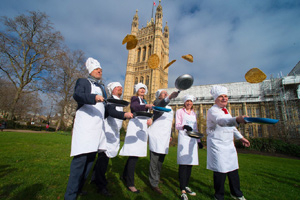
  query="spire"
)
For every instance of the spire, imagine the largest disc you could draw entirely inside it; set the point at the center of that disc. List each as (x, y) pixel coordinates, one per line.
(166, 30)
(135, 22)
(158, 17)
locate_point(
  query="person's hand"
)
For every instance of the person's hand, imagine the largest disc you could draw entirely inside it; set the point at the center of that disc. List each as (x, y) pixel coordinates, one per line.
(99, 98)
(241, 120)
(128, 115)
(173, 95)
(171, 139)
(149, 106)
(245, 142)
(149, 122)
(187, 127)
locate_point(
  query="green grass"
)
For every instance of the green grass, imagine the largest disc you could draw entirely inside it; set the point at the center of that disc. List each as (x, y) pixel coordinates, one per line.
(36, 166)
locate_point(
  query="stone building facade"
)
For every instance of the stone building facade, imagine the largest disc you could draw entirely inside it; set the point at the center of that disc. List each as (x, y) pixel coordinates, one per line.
(152, 39)
(275, 98)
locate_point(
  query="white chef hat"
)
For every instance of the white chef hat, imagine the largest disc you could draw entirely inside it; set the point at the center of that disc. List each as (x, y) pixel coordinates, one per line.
(92, 64)
(217, 90)
(158, 93)
(140, 85)
(188, 97)
(111, 86)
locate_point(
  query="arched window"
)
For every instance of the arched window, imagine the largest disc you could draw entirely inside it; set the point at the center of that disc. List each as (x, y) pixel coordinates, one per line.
(147, 81)
(139, 55)
(142, 79)
(144, 53)
(149, 51)
(136, 80)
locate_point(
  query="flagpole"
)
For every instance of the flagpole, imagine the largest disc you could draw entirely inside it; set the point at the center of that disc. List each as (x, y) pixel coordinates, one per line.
(152, 10)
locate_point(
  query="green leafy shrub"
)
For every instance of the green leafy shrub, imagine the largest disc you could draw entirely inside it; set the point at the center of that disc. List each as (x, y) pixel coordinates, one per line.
(272, 146)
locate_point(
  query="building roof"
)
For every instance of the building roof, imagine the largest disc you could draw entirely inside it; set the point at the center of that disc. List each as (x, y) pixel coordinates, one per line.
(295, 70)
(238, 91)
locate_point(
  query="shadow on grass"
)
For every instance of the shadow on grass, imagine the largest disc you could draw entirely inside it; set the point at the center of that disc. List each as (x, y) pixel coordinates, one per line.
(6, 190)
(29, 192)
(293, 182)
(6, 170)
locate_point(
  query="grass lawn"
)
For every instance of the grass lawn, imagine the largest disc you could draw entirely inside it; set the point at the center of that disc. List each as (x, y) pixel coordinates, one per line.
(36, 166)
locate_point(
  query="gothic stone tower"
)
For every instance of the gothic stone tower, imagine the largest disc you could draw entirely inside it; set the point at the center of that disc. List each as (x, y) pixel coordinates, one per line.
(151, 39)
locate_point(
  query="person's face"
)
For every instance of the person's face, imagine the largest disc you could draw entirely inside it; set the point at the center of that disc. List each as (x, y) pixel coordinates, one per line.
(97, 73)
(163, 94)
(141, 92)
(222, 100)
(117, 91)
(188, 104)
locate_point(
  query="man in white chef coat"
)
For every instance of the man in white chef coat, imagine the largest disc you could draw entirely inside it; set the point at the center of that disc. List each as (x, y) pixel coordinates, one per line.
(221, 153)
(88, 131)
(160, 137)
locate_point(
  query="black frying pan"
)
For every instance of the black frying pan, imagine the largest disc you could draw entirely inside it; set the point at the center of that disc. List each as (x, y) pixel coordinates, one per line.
(194, 134)
(142, 115)
(117, 102)
(184, 82)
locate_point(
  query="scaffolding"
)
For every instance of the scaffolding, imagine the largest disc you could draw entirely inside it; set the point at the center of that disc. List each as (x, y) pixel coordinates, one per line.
(282, 103)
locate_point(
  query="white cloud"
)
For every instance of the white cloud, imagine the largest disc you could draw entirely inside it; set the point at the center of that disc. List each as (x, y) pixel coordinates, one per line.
(226, 38)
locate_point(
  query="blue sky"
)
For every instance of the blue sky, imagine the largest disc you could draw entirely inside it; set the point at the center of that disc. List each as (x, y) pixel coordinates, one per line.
(226, 37)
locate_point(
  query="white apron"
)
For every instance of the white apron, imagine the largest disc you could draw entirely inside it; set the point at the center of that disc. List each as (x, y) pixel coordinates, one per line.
(88, 130)
(112, 132)
(160, 133)
(221, 152)
(135, 143)
(187, 150)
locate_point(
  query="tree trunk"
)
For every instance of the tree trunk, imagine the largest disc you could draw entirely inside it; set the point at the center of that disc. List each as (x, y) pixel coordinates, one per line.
(13, 106)
(61, 120)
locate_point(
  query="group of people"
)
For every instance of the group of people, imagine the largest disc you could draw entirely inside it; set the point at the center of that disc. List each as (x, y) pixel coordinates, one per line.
(3, 125)
(97, 127)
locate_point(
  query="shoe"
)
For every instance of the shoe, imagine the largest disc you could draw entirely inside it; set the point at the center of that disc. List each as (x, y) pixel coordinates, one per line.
(183, 196)
(156, 189)
(237, 198)
(137, 191)
(189, 191)
(105, 192)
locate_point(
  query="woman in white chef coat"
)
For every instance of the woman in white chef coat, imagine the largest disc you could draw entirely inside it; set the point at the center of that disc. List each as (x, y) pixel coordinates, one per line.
(160, 137)
(221, 153)
(88, 130)
(135, 144)
(187, 150)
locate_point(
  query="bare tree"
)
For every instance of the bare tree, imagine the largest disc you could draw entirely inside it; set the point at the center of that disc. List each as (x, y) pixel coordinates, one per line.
(28, 47)
(28, 101)
(7, 92)
(67, 69)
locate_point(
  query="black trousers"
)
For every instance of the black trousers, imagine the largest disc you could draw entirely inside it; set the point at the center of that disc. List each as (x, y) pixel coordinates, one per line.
(100, 170)
(128, 173)
(234, 184)
(79, 171)
(184, 173)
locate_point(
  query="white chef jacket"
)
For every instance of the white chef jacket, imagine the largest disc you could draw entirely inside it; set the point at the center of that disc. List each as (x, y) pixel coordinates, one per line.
(88, 131)
(112, 132)
(187, 149)
(221, 130)
(160, 133)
